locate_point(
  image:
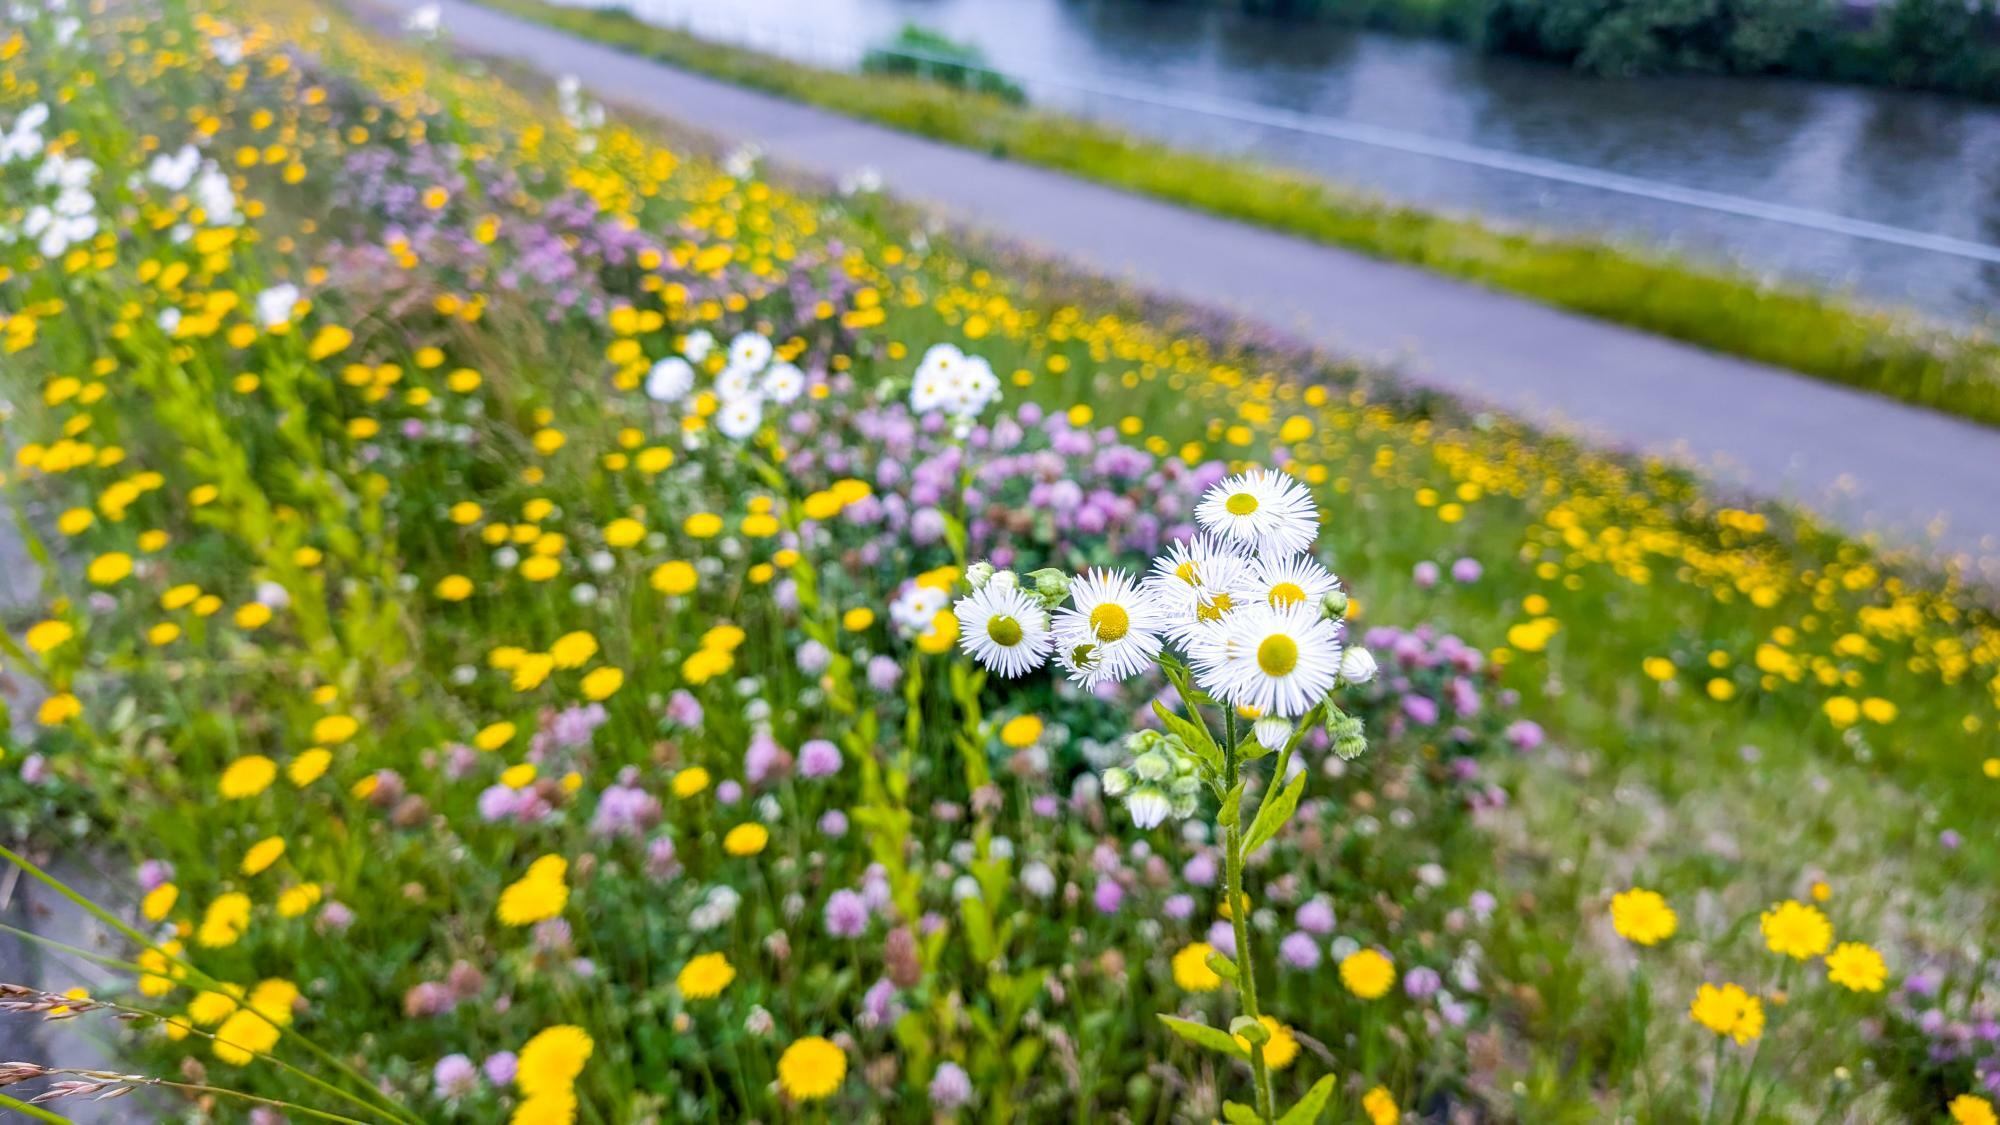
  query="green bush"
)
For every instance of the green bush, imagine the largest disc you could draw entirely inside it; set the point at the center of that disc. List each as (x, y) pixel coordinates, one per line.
(921, 53)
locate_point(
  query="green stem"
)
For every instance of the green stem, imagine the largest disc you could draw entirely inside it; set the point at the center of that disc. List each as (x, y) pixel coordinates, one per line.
(34, 1111)
(1246, 970)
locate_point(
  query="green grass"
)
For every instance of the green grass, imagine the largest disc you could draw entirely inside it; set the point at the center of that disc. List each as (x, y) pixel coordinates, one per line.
(1712, 306)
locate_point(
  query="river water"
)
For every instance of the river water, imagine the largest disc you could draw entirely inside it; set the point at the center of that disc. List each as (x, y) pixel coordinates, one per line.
(1917, 162)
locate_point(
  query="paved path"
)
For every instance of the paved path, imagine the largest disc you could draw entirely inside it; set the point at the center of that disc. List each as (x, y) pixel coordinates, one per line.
(1868, 463)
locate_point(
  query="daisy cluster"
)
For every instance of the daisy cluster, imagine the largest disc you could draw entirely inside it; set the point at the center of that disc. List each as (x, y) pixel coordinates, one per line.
(1256, 617)
(952, 383)
(750, 377)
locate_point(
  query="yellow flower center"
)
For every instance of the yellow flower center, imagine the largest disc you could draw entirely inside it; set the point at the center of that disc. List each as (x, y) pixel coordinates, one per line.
(1278, 655)
(1214, 608)
(1286, 593)
(1186, 573)
(1005, 631)
(1110, 621)
(1241, 504)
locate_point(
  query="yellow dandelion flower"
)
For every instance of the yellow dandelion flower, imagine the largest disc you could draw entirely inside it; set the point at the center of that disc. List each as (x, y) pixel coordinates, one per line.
(308, 766)
(247, 776)
(811, 1069)
(1856, 967)
(263, 854)
(1021, 731)
(690, 781)
(1191, 971)
(539, 895)
(1796, 930)
(1642, 917)
(600, 683)
(551, 1060)
(110, 568)
(1367, 974)
(334, 728)
(1728, 1010)
(746, 839)
(704, 977)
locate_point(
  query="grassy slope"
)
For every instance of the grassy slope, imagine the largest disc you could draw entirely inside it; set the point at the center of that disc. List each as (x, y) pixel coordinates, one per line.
(1786, 326)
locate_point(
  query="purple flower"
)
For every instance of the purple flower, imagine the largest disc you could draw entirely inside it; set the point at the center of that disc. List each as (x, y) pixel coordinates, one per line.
(625, 810)
(833, 823)
(499, 1068)
(1422, 710)
(1424, 574)
(661, 861)
(1222, 936)
(951, 1087)
(1199, 869)
(684, 709)
(1107, 896)
(1525, 735)
(1315, 916)
(884, 674)
(819, 758)
(1179, 907)
(846, 914)
(1466, 571)
(878, 1004)
(1421, 983)
(763, 758)
(1299, 950)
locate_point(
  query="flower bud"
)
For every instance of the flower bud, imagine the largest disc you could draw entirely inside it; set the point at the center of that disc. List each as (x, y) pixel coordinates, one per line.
(1334, 605)
(1003, 580)
(1273, 732)
(1117, 782)
(1357, 665)
(979, 574)
(1051, 583)
(1148, 807)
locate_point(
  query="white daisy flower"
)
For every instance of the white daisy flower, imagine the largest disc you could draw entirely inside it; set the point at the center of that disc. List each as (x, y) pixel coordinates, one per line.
(275, 305)
(739, 417)
(1197, 582)
(1262, 509)
(737, 382)
(1113, 630)
(1273, 662)
(916, 608)
(697, 344)
(669, 380)
(1003, 628)
(783, 383)
(750, 351)
(1288, 581)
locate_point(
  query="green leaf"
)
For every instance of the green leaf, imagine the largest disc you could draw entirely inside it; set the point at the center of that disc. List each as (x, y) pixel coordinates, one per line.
(1198, 742)
(1275, 814)
(1307, 1109)
(1236, 1113)
(1232, 807)
(978, 928)
(1221, 966)
(1251, 1029)
(1202, 1035)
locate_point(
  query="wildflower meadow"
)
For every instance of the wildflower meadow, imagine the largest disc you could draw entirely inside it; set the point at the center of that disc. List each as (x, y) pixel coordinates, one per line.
(538, 619)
